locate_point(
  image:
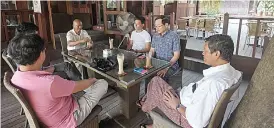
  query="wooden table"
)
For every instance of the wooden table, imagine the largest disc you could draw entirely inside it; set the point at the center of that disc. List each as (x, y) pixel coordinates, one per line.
(128, 86)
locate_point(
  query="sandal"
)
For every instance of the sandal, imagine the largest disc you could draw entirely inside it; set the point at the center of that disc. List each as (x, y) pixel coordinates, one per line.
(143, 125)
(140, 102)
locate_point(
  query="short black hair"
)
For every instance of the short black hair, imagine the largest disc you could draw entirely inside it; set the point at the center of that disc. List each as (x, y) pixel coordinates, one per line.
(141, 18)
(25, 49)
(222, 43)
(164, 19)
(26, 28)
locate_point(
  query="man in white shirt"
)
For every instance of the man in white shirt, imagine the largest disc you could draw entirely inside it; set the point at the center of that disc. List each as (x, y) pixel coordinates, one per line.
(78, 38)
(140, 39)
(195, 103)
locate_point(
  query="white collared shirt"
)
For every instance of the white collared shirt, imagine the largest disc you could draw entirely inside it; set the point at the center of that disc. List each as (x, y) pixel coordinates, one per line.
(72, 36)
(140, 39)
(200, 104)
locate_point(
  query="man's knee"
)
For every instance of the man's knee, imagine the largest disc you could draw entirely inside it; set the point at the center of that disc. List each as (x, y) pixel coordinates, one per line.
(103, 84)
(156, 78)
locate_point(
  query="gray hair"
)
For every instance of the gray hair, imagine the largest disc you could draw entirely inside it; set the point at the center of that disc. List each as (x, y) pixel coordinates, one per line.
(222, 43)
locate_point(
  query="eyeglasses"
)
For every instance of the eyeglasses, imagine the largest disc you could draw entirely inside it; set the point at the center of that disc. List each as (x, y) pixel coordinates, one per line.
(159, 26)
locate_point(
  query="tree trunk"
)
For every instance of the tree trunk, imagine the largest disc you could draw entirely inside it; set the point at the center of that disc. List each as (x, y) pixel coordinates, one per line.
(256, 110)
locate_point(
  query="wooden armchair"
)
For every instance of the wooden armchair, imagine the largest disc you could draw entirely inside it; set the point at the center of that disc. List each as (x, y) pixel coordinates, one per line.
(90, 122)
(161, 121)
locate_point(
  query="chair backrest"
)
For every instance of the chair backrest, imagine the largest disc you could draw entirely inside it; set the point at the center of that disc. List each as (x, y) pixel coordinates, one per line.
(181, 24)
(30, 115)
(63, 40)
(252, 29)
(209, 25)
(62, 22)
(192, 22)
(220, 108)
(9, 61)
(200, 23)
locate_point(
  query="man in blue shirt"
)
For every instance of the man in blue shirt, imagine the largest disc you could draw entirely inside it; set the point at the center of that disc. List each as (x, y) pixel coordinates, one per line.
(166, 46)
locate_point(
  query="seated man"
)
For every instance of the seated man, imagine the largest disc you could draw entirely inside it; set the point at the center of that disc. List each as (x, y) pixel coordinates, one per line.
(78, 38)
(65, 70)
(195, 103)
(140, 38)
(49, 95)
(166, 46)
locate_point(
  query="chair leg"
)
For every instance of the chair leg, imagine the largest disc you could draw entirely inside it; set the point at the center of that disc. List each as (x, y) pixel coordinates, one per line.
(26, 124)
(261, 42)
(245, 42)
(22, 111)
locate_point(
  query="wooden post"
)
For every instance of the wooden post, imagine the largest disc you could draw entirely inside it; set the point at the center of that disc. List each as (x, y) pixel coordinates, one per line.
(69, 7)
(150, 20)
(51, 25)
(239, 36)
(172, 20)
(266, 41)
(105, 16)
(144, 6)
(225, 25)
(118, 5)
(256, 38)
(5, 26)
(125, 6)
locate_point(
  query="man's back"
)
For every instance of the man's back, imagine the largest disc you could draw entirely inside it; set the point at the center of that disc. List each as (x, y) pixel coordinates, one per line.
(49, 96)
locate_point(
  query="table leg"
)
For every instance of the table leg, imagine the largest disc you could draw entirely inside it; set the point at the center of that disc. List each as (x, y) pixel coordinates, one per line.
(84, 72)
(129, 97)
(130, 116)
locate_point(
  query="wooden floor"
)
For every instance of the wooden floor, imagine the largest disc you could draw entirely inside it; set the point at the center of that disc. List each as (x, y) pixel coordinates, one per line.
(10, 107)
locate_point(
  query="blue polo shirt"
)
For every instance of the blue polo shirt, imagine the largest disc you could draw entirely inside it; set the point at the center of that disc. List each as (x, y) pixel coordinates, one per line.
(166, 45)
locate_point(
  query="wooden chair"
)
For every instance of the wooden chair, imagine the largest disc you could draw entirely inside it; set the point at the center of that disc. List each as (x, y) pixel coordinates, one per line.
(90, 122)
(63, 40)
(9, 61)
(252, 33)
(192, 25)
(161, 121)
(182, 26)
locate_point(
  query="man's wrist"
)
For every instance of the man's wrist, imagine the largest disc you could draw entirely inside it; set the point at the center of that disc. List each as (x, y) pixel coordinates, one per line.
(178, 107)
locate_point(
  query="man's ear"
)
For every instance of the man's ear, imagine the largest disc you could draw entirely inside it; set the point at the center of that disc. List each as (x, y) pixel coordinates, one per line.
(218, 53)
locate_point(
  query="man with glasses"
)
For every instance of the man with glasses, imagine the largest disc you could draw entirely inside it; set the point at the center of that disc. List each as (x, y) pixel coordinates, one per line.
(166, 46)
(140, 39)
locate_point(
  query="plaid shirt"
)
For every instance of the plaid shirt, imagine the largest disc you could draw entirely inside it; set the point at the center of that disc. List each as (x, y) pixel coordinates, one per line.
(166, 45)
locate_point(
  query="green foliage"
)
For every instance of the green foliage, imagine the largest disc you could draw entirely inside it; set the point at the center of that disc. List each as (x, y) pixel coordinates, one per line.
(266, 5)
(210, 7)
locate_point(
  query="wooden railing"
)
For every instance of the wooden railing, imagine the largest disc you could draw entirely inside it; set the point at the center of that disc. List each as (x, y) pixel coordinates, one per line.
(258, 19)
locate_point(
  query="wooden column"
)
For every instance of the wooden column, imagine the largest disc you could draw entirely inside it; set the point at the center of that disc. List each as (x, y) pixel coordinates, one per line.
(144, 6)
(42, 26)
(225, 24)
(51, 25)
(105, 16)
(172, 20)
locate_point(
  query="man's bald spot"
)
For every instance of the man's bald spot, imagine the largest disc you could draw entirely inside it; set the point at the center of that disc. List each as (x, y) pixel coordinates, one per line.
(77, 21)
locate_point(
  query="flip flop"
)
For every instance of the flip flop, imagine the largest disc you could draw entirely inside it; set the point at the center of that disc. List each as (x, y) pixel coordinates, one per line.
(143, 125)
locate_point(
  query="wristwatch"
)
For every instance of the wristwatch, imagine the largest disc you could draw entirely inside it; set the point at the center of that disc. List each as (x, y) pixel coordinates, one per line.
(178, 106)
